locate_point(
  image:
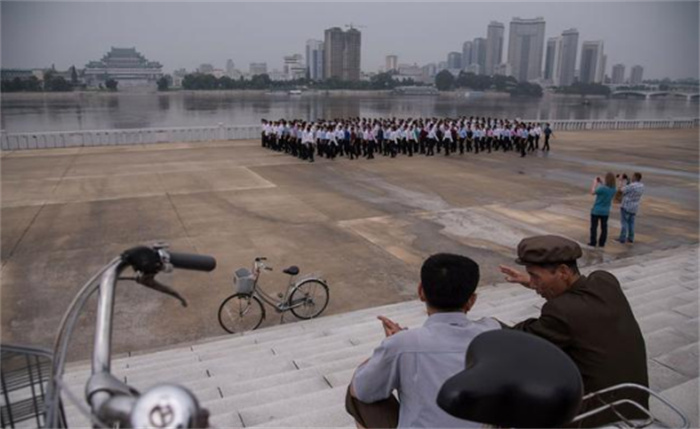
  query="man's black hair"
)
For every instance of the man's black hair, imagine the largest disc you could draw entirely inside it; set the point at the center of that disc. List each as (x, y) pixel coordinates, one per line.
(448, 280)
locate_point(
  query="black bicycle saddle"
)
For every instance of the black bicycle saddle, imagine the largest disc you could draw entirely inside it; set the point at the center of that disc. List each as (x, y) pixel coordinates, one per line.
(292, 271)
(514, 379)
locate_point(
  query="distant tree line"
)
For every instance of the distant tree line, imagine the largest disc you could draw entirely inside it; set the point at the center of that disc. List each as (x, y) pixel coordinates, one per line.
(446, 81)
(52, 83)
(381, 81)
(579, 88)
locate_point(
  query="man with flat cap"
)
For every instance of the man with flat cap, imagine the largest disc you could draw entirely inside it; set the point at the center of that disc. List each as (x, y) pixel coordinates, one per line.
(588, 317)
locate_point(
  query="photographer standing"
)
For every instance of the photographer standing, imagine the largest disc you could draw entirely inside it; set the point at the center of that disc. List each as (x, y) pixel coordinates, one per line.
(604, 193)
(631, 196)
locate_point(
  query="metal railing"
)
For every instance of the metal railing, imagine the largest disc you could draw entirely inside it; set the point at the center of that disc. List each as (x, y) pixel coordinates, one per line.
(67, 139)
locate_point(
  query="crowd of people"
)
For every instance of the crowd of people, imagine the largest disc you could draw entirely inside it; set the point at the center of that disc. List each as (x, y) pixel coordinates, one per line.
(361, 137)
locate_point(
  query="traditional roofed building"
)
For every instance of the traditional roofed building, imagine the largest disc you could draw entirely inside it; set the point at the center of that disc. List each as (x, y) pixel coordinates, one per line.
(124, 65)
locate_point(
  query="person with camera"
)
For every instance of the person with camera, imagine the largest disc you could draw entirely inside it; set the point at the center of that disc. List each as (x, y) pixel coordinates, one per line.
(631, 196)
(604, 193)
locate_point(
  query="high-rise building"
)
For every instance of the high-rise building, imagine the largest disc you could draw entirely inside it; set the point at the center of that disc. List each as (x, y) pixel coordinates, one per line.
(258, 68)
(618, 74)
(525, 48)
(314, 59)
(636, 75)
(592, 67)
(229, 67)
(466, 54)
(429, 71)
(454, 60)
(479, 54)
(569, 51)
(206, 68)
(392, 62)
(334, 46)
(353, 50)
(294, 67)
(552, 60)
(502, 69)
(342, 53)
(494, 46)
(600, 77)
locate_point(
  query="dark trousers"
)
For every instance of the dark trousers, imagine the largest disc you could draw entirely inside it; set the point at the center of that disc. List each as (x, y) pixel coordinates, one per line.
(594, 230)
(382, 414)
(431, 147)
(546, 143)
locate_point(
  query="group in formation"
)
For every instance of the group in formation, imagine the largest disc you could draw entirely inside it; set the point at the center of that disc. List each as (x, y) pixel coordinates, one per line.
(363, 137)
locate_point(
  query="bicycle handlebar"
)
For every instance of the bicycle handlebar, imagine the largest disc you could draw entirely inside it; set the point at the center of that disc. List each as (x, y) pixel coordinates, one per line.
(188, 261)
(111, 400)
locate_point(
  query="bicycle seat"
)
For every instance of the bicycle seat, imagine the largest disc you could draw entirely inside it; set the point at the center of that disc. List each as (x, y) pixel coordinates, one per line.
(514, 379)
(292, 271)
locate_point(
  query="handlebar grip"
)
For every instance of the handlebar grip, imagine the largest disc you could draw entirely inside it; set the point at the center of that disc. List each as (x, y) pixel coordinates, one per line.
(189, 261)
(260, 258)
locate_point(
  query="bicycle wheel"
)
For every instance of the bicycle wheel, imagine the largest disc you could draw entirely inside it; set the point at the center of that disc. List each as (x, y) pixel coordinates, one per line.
(240, 313)
(309, 299)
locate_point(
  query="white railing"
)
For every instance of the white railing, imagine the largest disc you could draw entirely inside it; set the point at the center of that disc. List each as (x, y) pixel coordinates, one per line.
(65, 139)
(621, 124)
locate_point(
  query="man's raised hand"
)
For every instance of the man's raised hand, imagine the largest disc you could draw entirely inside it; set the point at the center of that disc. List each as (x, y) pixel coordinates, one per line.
(390, 327)
(515, 276)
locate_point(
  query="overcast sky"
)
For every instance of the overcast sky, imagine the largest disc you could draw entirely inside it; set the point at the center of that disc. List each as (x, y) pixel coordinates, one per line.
(661, 36)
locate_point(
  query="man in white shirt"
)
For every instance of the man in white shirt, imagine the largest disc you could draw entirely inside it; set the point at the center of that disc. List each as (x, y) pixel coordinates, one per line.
(417, 362)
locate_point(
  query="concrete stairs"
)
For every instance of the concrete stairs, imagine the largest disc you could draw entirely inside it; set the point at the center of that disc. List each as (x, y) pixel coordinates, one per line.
(296, 374)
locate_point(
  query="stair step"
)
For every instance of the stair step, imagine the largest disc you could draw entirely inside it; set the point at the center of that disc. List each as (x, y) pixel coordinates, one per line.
(261, 414)
(663, 341)
(683, 360)
(334, 416)
(265, 396)
(685, 397)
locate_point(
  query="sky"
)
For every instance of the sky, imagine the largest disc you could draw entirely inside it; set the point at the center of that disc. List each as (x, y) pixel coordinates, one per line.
(662, 36)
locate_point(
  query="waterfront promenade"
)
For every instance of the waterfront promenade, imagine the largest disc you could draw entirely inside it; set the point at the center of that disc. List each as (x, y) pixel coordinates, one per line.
(365, 225)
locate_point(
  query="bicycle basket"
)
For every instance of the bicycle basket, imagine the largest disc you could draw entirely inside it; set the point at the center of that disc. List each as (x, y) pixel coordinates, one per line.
(244, 281)
(24, 373)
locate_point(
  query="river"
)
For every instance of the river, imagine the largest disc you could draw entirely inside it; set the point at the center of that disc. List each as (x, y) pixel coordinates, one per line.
(92, 111)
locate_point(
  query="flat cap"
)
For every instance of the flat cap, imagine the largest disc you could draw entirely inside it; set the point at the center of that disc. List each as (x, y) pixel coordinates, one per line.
(547, 249)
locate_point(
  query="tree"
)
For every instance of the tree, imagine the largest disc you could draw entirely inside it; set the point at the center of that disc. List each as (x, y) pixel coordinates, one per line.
(260, 81)
(526, 89)
(163, 84)
(73, 76)
(32, 84)
(111, 84)
(383, 81)
(444, 81)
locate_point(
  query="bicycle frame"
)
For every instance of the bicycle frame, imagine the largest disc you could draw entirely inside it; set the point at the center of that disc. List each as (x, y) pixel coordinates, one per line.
(279, 305)
(284, 304)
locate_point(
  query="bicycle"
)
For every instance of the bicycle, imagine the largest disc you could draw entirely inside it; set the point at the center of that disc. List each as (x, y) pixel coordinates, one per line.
(243, 311)
(113, 403)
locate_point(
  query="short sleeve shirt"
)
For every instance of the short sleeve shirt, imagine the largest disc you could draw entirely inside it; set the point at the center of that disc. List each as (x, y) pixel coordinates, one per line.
(603, 199)
(416, 363)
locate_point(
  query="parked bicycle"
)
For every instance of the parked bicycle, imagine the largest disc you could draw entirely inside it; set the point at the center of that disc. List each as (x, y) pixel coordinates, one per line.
(113, 403)
(243, 311)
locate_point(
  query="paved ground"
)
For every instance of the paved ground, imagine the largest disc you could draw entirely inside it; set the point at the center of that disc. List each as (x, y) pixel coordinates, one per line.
(365, 225)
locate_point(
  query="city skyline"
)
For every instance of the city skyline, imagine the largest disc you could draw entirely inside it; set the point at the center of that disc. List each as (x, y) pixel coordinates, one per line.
(643, 37)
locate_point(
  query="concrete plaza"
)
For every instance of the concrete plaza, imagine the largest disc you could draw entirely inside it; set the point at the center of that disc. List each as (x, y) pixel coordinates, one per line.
(366, 226)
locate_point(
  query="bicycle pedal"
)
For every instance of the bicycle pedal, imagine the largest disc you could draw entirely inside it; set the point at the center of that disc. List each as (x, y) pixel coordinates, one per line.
(280, 295)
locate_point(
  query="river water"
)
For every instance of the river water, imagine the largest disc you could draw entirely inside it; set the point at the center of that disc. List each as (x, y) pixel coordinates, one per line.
(93, 111)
